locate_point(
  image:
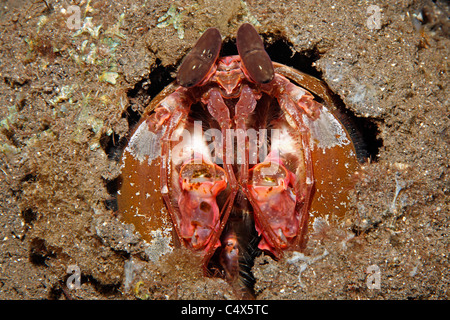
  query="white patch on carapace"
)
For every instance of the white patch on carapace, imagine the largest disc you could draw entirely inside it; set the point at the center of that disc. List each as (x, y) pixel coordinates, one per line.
(145, 143)
(326, 131)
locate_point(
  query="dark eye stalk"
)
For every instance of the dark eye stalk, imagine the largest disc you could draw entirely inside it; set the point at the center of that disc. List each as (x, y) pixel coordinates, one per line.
(254, 57)
(199, 61)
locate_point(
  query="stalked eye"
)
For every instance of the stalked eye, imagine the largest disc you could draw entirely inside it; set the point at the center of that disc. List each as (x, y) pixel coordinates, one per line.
(199, 61)
(255, 59)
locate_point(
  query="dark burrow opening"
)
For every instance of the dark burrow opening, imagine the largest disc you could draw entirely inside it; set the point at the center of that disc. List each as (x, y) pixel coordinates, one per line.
(363, 131)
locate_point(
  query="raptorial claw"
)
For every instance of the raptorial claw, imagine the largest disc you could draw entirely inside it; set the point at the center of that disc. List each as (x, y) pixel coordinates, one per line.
(276, 202)
(200, 183)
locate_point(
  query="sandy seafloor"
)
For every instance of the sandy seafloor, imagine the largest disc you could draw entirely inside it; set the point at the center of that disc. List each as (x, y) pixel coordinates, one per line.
(64, 93)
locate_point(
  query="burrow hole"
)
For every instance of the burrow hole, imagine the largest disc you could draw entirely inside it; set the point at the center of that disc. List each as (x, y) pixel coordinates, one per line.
(364, 131)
